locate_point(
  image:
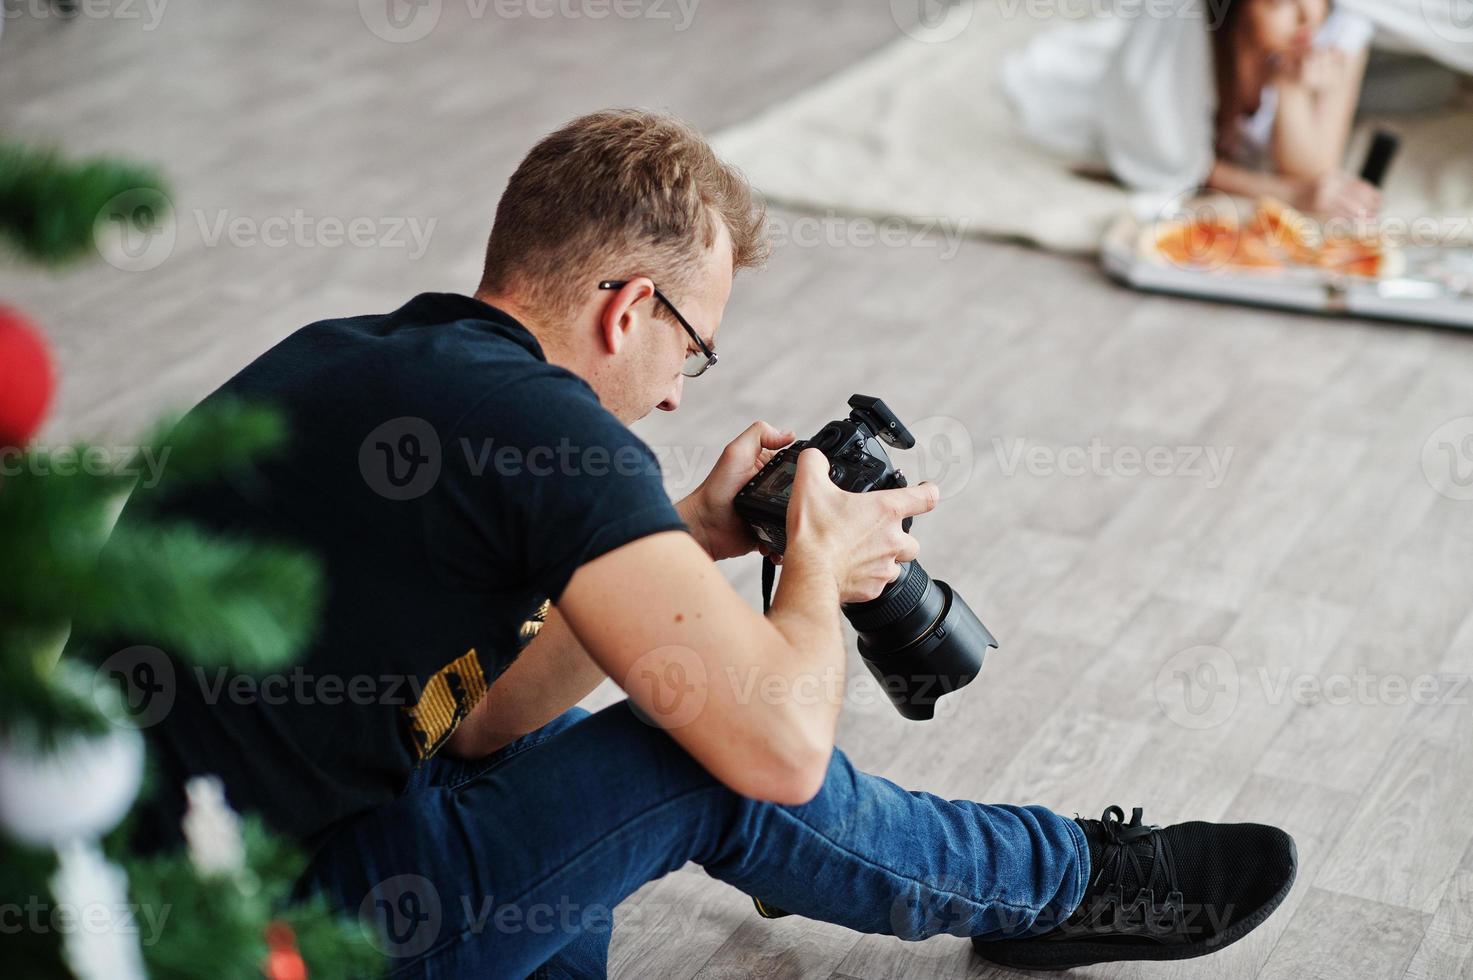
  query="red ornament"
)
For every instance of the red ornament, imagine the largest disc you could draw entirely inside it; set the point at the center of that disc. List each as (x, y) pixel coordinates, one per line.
(283, 961)
(26, 379)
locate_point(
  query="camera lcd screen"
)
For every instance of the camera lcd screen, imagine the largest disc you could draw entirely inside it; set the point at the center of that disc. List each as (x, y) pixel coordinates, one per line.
(779, 483)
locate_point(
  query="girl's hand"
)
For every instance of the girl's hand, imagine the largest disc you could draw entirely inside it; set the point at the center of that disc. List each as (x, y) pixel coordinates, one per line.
(1336, 194)
(1315, 70)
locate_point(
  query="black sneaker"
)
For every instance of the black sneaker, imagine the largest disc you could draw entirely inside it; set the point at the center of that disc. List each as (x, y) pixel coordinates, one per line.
(1154, 894)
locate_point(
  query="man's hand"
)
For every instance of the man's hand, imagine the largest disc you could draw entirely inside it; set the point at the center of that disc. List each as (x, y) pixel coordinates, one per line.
(708, 510)
(550, 676)
(856, 536)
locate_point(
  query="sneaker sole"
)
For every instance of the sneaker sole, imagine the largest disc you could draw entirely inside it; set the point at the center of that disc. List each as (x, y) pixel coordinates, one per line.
(1027, 955)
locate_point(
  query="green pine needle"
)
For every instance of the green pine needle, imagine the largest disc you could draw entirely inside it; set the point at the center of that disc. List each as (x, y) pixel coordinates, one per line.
(205, 443)
(50, 206)
(216, 926)
(214, 601)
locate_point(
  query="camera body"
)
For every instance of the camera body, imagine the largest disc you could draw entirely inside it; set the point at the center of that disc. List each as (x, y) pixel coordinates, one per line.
(855, 448)
(918, 637)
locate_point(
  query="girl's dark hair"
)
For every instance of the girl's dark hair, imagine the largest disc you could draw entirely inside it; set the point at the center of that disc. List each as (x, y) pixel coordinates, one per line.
(1225, 29)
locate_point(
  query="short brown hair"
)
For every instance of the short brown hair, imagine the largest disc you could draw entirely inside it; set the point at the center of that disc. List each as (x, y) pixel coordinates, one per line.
(620, 192)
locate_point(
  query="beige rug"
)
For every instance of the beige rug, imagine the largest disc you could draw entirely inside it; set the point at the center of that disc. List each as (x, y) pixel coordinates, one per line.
(920, 130)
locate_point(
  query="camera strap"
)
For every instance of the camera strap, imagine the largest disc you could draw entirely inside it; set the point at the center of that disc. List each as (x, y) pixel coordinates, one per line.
(769, 576)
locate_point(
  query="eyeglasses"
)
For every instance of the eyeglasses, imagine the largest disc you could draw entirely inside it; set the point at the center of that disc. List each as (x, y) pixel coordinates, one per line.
(697, 361)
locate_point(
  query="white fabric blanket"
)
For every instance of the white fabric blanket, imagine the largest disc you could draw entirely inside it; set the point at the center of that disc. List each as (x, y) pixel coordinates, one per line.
(922, 130)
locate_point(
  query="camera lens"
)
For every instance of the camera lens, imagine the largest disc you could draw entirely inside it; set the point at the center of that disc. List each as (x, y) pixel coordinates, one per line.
(920, 640)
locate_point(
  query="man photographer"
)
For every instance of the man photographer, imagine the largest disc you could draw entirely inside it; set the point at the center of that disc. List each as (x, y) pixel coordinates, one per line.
(490, 826)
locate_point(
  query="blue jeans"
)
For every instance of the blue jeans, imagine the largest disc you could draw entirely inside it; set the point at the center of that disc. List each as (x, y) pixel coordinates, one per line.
(511, 866)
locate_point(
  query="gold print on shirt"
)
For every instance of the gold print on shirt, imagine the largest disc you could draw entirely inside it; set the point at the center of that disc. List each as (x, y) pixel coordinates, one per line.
(448, 697)
(533, 626)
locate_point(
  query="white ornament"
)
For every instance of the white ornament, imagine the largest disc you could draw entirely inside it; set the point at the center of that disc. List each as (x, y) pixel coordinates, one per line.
(80, 788)
(99, 927)
(212, 828)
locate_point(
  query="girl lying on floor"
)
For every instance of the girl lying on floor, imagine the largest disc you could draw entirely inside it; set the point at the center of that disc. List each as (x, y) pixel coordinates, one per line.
(1252, 97)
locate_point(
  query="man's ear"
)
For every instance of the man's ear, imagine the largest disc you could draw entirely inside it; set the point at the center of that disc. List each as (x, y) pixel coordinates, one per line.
(618, 318)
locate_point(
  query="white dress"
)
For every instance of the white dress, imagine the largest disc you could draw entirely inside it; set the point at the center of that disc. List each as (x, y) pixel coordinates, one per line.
(1136, 93)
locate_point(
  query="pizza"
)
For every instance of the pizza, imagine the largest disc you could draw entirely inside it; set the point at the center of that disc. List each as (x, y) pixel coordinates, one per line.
(1275, 239)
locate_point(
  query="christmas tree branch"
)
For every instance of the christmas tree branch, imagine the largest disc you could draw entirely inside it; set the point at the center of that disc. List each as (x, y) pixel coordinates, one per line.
(50, 207)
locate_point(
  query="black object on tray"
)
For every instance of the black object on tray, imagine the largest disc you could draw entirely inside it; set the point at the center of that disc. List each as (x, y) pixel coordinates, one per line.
(1378, 159)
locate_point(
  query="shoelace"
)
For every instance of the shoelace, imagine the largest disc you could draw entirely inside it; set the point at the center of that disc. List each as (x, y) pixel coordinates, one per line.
(1128, 847)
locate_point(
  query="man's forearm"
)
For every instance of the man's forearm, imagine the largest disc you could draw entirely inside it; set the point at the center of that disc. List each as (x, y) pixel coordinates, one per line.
(550, 676)
(805, 610)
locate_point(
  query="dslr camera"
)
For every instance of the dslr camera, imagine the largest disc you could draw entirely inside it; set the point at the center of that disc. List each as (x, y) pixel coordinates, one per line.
(918, 638)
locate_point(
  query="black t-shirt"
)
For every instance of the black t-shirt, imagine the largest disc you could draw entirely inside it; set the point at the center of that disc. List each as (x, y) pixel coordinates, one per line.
(449, 481)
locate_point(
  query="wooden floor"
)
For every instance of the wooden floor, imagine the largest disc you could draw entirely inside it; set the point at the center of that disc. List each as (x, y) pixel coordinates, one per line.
(1163, 635)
